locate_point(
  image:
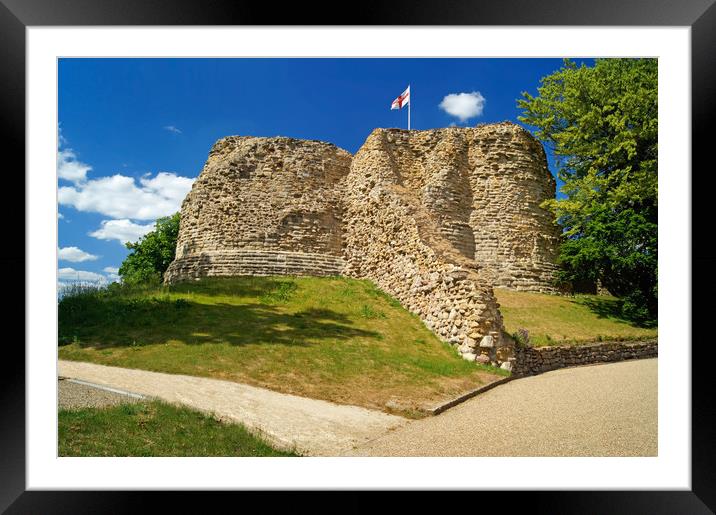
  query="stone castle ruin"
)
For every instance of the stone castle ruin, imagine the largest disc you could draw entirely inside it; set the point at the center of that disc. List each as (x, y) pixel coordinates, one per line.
(435, 218)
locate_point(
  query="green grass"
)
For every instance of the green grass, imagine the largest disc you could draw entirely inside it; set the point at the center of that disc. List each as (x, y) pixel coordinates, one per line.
(337, 339)
(559, 320)
(154, 429)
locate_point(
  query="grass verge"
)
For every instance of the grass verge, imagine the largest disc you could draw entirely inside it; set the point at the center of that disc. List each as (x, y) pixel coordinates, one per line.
(154, 429)
(561, 320)
(337, 339)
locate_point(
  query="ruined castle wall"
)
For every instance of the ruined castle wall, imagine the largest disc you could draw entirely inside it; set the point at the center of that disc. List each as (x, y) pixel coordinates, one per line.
(483, 187)
(516, 240)
(435, 218)
(263, 206)
(396, 209)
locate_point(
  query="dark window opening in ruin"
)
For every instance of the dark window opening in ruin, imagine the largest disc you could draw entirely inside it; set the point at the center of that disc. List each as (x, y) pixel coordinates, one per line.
(244, 174)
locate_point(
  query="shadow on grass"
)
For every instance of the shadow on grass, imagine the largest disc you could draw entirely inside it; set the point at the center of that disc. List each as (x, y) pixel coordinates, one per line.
(612, 308)
(133, 321)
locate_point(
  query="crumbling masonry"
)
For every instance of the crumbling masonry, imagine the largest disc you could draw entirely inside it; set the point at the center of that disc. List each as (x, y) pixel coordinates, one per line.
(436, 218)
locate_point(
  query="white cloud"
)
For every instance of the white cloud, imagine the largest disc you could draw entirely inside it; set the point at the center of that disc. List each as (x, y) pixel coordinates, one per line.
(69, 168)
(60, 216)
(121, 230)
(70, 274)
(111, 270)
(463, 105)
(74, 255)
(119, 196)
(61, 140)
(171, 128)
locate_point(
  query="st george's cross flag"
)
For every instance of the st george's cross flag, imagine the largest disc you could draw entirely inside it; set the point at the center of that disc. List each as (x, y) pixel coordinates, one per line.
(402, 100)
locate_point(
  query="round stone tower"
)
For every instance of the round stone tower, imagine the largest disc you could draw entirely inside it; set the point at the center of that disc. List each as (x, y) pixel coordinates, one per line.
(263, 206)
(516, 240)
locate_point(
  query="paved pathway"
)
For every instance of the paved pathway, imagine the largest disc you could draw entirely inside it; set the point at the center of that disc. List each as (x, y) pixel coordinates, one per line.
(310, 426)
(601, 410)
(74, 395)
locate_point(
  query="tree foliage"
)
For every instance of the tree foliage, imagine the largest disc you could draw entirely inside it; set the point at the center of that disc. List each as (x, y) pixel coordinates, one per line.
(152, 254)
(601, 123)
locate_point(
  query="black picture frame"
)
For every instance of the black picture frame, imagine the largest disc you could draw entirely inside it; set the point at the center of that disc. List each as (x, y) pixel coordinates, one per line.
(700, 15)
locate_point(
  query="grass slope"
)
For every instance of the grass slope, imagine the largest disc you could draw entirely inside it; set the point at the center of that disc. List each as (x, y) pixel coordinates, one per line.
(154, 429)
(337, 339)
(556, 320)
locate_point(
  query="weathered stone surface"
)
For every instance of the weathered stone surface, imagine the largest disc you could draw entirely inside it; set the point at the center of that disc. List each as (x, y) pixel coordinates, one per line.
(482, 359)
(393, 235)
(515, 239)
(263, 206)
(487, 342)
(435, 218)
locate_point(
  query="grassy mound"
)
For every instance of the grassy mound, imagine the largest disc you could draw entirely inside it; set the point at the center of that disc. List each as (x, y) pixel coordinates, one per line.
(558, 320)
(154, 429)
(337, 339)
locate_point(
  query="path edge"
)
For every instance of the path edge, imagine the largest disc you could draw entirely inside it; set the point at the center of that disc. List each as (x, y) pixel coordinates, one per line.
(465, 396)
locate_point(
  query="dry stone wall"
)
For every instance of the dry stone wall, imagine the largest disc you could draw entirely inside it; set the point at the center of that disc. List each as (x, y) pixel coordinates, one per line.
(263, 206)
(535, 360)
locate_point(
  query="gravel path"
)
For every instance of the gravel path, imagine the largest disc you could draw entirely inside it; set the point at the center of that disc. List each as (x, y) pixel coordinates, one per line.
(73, 396)
(602, 410)
(311, 427)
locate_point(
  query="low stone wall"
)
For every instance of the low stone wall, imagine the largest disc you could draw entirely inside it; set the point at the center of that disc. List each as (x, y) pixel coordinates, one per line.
(253, 262)
(535, 360)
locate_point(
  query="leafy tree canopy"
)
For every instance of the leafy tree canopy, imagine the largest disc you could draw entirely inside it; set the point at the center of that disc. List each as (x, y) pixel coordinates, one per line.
(152, 254)
(601, 123)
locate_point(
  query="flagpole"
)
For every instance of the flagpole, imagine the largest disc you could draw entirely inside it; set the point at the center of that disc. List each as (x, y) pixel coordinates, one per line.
(410, 101)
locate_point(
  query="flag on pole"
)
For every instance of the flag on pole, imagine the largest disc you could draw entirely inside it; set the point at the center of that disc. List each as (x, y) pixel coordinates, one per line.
(402, 100)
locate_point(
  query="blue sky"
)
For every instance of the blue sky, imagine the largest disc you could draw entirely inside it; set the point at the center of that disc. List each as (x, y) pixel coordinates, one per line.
(134, 133)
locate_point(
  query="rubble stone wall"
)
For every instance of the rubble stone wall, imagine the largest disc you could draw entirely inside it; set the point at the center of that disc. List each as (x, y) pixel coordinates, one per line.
(394, 237)
(536, 360)
(263, 206)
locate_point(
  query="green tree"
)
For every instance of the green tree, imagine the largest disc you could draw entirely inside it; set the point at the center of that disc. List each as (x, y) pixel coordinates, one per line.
(152, 254)
(601, 123)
